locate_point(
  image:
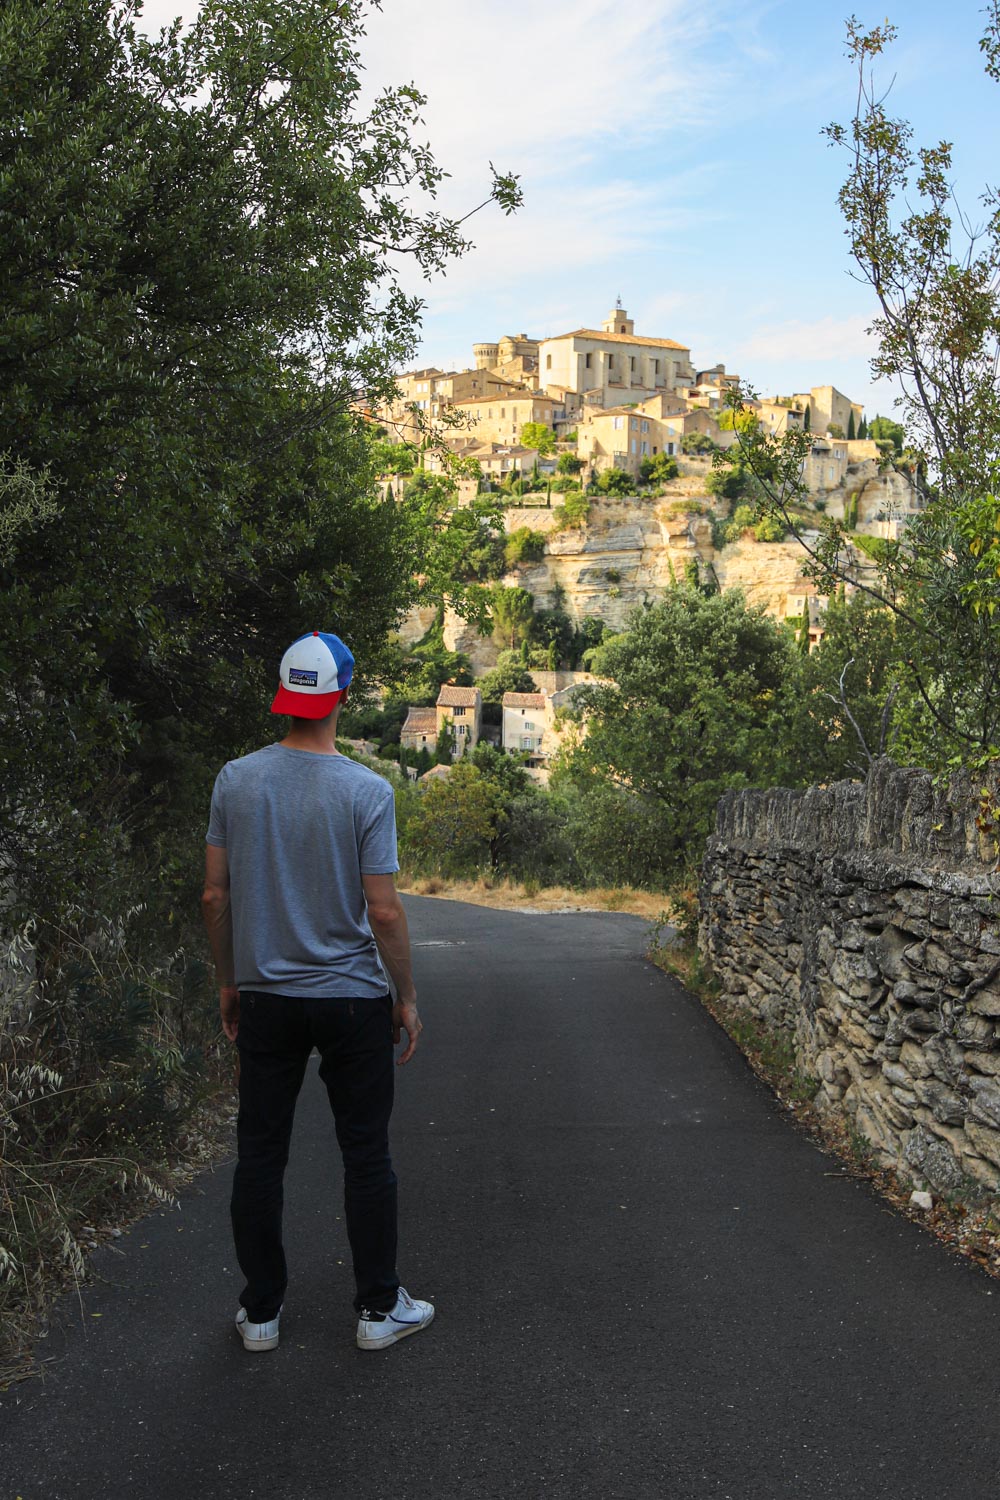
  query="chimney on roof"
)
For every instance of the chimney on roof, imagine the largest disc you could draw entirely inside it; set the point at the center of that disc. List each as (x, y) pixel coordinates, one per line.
(618, 320)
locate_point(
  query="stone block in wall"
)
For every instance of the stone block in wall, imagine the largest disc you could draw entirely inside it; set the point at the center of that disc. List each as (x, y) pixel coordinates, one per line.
(987, 1063)
(932, 1159)
(947, 1107)
(985, 1106)
(984, 1140)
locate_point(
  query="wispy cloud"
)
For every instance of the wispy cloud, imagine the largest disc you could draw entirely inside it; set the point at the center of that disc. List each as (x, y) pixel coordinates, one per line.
(823, 339)
(537, 88)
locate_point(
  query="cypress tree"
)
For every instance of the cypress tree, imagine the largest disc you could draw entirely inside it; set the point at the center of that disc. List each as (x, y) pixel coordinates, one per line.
(807, 420)
(851, 428)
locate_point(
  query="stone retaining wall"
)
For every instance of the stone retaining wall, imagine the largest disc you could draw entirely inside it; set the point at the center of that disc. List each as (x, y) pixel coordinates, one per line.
(864, 919)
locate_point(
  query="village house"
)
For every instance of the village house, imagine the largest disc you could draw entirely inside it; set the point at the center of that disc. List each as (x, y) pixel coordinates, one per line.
(779, 416)
(462, 708)
(524, 716)
(808, 600)
(612, 364)
(828, 407)
(499, 419)
(419, 731)
(620, 438)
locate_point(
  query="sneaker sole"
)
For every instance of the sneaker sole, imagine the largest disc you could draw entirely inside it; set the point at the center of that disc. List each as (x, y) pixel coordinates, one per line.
(259, 1345)
(394, 1338)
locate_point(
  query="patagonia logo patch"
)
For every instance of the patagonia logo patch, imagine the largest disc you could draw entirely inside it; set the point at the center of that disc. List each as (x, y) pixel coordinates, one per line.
(297, 677)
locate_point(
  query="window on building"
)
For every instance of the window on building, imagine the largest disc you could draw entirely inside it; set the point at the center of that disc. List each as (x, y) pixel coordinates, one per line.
(622, 328)
(644, 450)
(656, 367)
(635, 447)
(631, 363)
(645, 426)
(529, 723)
(633, 422)
(460, 729)
(548, 361)
(611, 361)
(459, 711)
(618, 422)
(587, 359)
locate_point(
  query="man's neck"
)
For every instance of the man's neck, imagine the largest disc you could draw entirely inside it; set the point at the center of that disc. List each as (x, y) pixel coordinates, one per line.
(319, 737)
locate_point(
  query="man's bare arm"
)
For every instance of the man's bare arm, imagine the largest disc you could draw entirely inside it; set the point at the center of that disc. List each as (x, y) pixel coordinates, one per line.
(217, 911)
(389, 928)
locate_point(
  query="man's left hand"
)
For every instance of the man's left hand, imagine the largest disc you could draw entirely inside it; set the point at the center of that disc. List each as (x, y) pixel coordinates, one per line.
(229, 1009)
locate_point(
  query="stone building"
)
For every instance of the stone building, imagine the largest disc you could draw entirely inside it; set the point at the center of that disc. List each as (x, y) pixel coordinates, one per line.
(419, 731)
(611, 365)
(828, 407)
(515, 357)
(462, 707)
(524, 722)
(499, 418)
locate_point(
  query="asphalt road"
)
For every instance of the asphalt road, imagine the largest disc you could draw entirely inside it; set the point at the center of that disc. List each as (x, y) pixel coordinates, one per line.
(648, 1283)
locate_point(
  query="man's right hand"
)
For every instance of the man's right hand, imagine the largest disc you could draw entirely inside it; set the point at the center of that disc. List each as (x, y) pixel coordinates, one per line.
(405, 1018)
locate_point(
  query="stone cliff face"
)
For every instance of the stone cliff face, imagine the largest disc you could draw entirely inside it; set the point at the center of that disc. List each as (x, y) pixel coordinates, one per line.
(634, 548)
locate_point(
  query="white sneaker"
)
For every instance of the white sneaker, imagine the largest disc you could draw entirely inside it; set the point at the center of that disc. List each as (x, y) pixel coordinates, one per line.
(378, 1330)
(257, 1335)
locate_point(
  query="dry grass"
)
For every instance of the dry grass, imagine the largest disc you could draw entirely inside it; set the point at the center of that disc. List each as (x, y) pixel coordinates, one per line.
(510, 895)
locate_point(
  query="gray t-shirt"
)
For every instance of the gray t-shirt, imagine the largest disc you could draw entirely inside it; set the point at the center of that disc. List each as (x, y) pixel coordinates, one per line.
(300, 829)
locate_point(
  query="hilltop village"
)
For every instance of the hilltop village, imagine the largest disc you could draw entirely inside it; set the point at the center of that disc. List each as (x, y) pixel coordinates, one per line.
(601, 443)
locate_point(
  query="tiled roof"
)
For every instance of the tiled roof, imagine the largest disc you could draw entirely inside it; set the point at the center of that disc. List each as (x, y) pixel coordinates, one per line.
(458, 697)
(436, 772)
(515, 394)
(620, 338)
(523, 700)
(421, 721)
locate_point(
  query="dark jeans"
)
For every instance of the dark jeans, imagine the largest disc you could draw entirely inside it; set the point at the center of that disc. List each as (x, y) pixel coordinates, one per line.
(354, 1040)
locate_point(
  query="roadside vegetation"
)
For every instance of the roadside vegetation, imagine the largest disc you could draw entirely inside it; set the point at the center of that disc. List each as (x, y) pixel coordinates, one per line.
(203, 240)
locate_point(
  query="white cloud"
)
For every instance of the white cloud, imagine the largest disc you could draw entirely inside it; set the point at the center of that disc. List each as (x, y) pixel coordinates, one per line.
(536, 88)
(822, 340)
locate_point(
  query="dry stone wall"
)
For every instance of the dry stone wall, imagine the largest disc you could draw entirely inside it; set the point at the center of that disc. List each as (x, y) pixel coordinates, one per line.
(863, 919)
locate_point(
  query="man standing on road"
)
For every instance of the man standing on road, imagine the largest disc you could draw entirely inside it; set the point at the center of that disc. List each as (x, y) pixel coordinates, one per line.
(300, 902)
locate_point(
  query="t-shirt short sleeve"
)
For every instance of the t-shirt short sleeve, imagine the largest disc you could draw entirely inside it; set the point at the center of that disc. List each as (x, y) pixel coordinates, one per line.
(217, 817)
(377, 845)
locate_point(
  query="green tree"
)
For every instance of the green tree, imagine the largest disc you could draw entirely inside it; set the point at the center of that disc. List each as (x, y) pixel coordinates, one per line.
(200, 262)
(569, 464)
(659, 469)
(938, 335)
(456, 821)
(512, 611)
(883, 430)
(537, 435)
(508, 676)
(851, 428)
(807, 419)
(933, 274)
(696, 704)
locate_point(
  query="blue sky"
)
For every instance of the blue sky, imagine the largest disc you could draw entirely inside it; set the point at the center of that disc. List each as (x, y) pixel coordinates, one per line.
(672, 156)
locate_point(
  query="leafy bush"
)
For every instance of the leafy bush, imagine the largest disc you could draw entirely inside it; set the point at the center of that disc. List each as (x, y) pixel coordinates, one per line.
(615, 482)
(573, 512)
(769, 529)
(524, 546)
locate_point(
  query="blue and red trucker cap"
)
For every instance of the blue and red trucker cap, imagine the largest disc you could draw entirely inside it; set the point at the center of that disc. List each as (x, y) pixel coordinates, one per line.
(314, 672)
